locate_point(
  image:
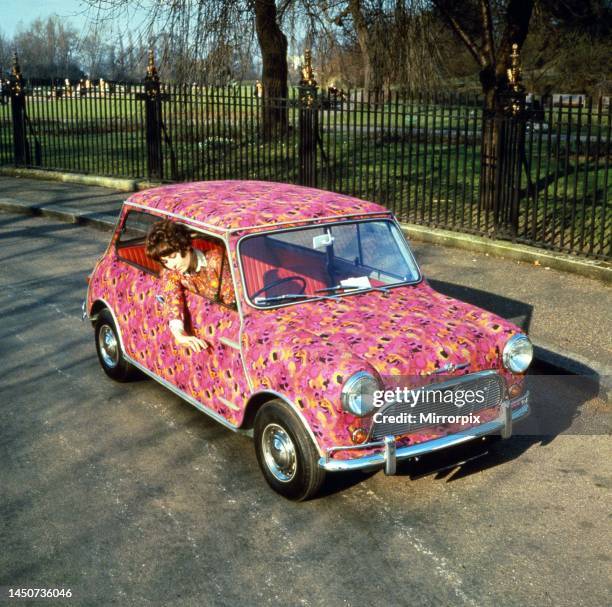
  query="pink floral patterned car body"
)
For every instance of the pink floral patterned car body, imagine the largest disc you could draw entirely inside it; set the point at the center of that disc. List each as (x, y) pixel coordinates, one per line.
(303, 350)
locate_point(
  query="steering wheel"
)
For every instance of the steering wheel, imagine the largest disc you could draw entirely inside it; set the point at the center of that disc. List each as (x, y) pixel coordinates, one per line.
(279, 282)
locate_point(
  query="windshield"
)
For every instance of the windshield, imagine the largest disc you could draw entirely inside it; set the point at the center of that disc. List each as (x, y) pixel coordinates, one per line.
(324, 261)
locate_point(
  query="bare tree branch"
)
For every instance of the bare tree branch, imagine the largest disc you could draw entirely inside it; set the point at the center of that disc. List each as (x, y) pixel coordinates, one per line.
(472, 47)
(487, 30)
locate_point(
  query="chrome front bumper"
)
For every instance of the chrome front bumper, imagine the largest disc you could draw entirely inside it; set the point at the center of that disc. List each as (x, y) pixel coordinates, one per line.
(390, 454)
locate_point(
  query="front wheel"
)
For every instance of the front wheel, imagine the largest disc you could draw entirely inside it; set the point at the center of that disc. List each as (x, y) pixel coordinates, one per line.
(285, 452)
(109, 351)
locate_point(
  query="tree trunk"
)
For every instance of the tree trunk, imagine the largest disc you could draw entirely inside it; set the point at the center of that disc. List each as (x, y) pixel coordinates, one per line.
(273, 45)
(503, 127)
(372, 72)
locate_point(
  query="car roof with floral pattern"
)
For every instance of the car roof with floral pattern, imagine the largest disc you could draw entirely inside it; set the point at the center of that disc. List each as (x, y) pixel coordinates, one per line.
(237, 205)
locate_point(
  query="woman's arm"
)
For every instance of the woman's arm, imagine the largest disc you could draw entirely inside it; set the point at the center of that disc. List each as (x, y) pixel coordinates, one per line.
(174, 306)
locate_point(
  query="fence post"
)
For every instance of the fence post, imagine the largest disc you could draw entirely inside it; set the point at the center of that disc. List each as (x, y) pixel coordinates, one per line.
(308, 124)
(515, 144)
(503, 139)
(153, 118)
(18, 110)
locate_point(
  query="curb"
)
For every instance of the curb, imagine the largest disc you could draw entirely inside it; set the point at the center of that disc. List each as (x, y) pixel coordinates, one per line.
(575, 365)
(600, 270)
(567, 362)
(589, 268)
(100, 221)
(113, 183)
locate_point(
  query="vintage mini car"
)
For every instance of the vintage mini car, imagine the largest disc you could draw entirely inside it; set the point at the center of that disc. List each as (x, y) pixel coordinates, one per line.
(332, 326)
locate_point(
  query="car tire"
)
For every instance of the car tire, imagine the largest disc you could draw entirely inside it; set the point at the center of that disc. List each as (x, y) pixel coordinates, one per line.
(287, 456)
(108, 347)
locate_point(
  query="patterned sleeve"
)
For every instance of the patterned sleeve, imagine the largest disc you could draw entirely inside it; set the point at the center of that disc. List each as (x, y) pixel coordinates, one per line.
(227, 285)
(215, 260)
(174, 297)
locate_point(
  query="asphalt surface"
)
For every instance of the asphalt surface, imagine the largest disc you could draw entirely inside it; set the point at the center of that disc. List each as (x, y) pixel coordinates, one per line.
(128, 496)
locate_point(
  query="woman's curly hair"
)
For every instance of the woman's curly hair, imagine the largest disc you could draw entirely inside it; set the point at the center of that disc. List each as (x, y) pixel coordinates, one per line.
(166, 237)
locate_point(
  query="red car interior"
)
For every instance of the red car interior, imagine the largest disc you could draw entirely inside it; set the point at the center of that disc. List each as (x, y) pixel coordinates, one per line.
(136, 253)
(263, 263)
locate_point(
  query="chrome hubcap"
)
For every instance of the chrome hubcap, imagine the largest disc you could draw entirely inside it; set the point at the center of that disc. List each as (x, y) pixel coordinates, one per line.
(279, 452)
(109, 348)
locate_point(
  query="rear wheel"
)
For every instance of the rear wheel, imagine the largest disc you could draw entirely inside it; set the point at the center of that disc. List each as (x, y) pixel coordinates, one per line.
(286, 455)
(109, 350)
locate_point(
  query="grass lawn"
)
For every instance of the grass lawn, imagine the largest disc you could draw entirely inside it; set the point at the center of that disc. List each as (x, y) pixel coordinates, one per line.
(421, 159)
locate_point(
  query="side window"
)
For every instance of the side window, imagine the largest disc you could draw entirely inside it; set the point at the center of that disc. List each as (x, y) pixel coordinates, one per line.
(130, 245)
(135, 227)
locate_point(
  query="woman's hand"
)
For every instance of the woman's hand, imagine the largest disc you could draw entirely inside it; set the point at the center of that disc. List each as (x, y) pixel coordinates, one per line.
(195, 344)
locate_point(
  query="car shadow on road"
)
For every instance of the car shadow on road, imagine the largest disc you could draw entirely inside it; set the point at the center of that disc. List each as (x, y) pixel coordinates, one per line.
(514, 310)
(560, 404)
(448, 465)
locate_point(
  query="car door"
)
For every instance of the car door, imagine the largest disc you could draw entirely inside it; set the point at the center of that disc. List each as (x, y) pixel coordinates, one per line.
(215, 377)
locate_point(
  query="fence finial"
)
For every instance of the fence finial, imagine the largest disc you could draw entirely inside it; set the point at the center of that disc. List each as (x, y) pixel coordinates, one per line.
(16, 80)
(514, 72)
(308, 84)
(515, 86)
(308, 78)
(151, 69)
(16, 71)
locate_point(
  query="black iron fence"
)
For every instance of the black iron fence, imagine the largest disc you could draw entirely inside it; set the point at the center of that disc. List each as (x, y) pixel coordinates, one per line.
(431, 159)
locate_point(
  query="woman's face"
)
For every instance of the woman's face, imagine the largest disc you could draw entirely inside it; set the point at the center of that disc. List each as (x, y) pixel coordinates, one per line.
(177, 261)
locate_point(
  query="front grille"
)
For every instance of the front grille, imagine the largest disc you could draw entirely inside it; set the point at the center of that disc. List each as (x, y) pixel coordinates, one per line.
(489, 382)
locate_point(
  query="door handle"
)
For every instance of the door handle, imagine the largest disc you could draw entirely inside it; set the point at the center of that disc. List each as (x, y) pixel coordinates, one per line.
(229, 342)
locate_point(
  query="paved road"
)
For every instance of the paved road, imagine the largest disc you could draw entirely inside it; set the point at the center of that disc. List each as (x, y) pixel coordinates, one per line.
(129, 496)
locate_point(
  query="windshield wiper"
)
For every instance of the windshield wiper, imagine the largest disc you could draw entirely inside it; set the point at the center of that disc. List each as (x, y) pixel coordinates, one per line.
(380, 288)
(264, 300)
(260, 300)
(337, 288)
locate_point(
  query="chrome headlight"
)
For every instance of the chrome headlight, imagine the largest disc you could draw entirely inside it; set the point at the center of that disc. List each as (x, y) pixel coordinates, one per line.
(518, 353)
(358, 394)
